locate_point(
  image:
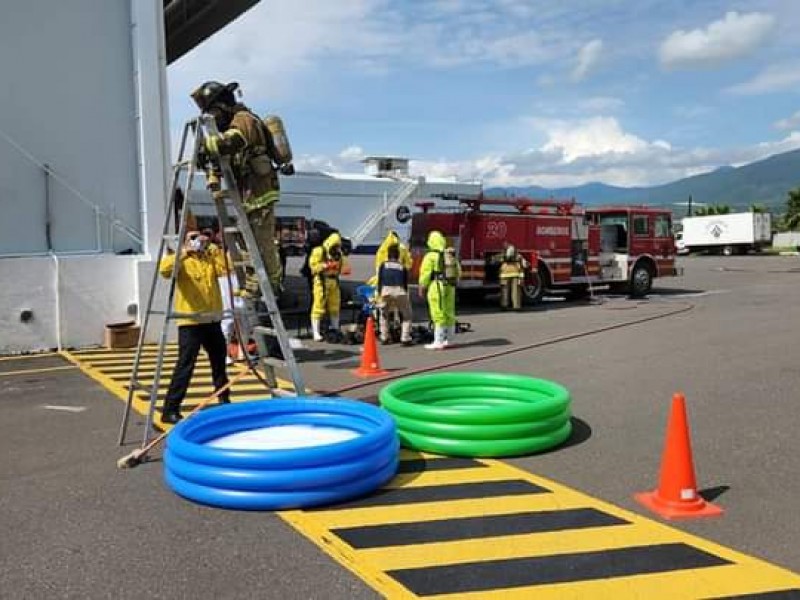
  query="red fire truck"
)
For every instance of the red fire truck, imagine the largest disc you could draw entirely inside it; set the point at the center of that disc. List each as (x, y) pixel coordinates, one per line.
(569, 247)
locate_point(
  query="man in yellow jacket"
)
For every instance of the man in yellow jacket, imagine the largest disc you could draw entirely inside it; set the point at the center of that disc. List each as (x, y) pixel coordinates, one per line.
(438, 276)
(199, 302)
(326, 264)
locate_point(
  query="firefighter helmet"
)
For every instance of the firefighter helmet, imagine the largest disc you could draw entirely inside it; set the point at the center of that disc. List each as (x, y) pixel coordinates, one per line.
(213, 92)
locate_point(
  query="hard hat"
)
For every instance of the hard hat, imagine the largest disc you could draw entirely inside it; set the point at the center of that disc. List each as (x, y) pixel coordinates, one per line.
(212, 92)
(510, 251)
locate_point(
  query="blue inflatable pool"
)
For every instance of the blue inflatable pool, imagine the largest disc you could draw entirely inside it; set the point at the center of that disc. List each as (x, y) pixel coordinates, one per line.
(280, 454)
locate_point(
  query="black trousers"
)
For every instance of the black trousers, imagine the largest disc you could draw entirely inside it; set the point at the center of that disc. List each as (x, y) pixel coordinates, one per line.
(190, 339)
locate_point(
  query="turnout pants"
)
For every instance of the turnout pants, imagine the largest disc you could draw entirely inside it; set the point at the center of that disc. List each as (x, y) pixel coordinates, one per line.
(511, 289)
(262, 222)
(190, 339)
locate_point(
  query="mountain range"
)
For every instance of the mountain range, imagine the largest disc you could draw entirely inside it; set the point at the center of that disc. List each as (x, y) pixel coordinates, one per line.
(764, 182)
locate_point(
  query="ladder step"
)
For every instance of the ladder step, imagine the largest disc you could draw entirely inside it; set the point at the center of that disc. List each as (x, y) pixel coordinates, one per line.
(231, 229)
(140, 387)
(273, 362)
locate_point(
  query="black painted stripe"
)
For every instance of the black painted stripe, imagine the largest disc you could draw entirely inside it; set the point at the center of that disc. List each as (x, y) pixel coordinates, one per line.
(561, 568)
(448, 530)
(793, 594)
(420, 465)
(440, 493)
(195, 395)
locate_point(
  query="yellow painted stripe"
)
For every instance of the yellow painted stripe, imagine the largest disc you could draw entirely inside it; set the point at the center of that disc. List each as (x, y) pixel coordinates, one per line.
(369, 572)
(708, 582)
(746, 575)
(419, 512)
(515, 546)
(140, 402)
(42, 370)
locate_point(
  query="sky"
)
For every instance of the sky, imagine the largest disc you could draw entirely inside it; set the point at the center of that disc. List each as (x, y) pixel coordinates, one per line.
(515, 92)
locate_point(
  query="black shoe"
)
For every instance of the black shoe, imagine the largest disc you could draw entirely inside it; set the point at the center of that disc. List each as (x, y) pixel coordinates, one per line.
(171, 417)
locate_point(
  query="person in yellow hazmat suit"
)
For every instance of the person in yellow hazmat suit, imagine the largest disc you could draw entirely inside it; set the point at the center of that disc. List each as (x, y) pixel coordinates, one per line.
(258, 150)
(326, 263)
(438, 276)
(382, 255)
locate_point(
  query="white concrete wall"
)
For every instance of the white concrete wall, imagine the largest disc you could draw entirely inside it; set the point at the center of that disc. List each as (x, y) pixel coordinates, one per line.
(83, 122)
(786, 240)
(67, 100)
(72, 298)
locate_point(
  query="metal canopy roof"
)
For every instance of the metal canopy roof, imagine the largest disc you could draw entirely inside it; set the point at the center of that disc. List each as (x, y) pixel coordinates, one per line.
(189, 22)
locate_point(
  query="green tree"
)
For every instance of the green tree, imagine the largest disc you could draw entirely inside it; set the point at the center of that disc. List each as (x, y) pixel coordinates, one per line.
(758, 208)
(721, 209)
(713, 209)
(792, 217)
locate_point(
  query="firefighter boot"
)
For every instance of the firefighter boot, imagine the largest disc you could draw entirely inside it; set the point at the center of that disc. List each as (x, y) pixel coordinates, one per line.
(438, 339)
(405, 333)
(315, 329)
(334, 322)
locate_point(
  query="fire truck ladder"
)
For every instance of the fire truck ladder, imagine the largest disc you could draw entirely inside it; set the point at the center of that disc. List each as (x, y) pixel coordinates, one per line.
(398, 197)
(241, 248)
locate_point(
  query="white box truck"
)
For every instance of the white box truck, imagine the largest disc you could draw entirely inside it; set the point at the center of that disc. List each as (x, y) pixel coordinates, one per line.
(735, 233)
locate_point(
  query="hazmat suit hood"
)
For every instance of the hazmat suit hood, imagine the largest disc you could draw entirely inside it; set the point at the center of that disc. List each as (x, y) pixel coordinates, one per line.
(332, 240)
(436, 241)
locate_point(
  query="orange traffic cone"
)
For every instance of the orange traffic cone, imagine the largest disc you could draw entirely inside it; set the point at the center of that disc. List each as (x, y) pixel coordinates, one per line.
(676, 496)
(370, 363)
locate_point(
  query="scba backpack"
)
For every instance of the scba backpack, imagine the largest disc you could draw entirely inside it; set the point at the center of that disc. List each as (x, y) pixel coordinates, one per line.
(448, 266)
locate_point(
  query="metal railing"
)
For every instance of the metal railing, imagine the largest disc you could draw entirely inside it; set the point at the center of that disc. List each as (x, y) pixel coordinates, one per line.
(398, 197)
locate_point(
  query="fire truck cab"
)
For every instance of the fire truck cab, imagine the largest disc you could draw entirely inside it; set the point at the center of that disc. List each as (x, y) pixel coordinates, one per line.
(567, 246)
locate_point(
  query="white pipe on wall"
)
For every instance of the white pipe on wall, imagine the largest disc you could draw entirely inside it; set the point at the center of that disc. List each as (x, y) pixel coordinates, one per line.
(57, 296)
(152, 122)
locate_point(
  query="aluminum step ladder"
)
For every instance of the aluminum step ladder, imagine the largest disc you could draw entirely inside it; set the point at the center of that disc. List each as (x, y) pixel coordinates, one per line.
(276, 348)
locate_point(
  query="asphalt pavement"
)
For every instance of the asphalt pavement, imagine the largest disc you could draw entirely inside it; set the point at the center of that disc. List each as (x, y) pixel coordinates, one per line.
(76, 527)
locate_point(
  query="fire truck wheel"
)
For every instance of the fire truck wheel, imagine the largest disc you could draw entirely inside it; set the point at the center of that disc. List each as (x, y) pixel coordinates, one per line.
(641, 280)
(533, 288)
(478, 414)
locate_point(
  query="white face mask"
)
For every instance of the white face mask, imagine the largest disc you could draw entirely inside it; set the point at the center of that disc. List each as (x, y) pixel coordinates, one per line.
(197, 245)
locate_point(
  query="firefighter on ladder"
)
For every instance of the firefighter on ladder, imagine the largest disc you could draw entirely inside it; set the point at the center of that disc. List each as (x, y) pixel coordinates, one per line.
(438, 276)
(256, 147)
(512, 274)
(326, 263)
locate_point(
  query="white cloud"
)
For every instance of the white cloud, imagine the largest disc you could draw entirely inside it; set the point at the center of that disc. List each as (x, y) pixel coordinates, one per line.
(590, 137)
(731, 37)
(790, 122)
(587, 60)
(598, 149)
(775, 78)
(274, 47)
(352, 153)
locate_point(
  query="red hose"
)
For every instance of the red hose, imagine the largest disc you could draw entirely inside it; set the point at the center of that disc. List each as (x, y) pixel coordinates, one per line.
(463, 361)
